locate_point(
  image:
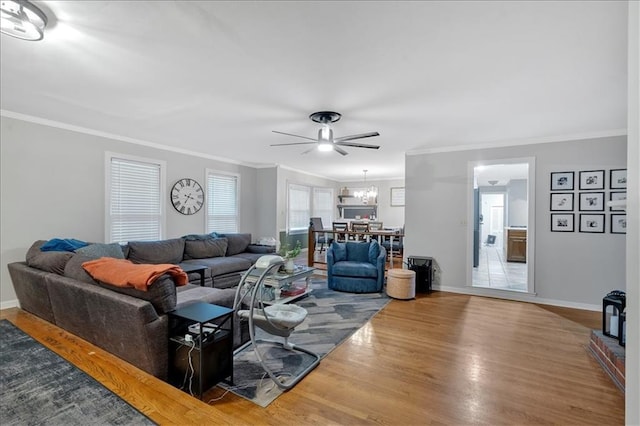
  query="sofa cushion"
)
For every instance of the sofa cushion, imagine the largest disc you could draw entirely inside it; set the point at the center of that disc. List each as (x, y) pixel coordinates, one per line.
(358, 252)
(161, 294)
(225, 265)
(237, 243)
(339, 251)
(98, 250)
(200, 249)
(355, 269)
(48, 261)
(260, 249)
(251, 257)
(191, 293)
(155, 252)
(74, 269)
(374, 251)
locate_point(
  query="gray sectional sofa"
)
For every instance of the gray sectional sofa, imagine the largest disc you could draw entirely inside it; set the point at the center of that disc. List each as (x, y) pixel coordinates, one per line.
(126, 322)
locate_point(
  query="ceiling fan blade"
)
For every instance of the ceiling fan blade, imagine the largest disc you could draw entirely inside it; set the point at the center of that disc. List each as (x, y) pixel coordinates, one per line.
(293, 143)
(297, 136)
(308, 151)
(358, 145)
(340, 150)
(360, 136)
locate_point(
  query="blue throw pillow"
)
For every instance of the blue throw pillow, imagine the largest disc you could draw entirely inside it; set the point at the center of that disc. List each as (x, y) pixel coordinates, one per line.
(374, 251)
(59, 244)
(358, 252)
(339, 251)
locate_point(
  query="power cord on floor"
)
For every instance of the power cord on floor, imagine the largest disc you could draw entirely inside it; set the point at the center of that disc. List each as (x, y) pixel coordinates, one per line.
(186, 371)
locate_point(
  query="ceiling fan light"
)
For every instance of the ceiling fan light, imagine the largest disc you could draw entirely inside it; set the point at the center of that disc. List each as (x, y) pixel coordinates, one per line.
(22, 20)
(324, 147)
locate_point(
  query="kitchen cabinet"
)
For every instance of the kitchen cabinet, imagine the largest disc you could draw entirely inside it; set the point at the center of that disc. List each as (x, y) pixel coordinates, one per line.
(516, 245)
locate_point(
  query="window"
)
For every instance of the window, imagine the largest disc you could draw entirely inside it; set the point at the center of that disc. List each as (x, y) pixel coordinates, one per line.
(135, 202)
(323, 205)
(299, 208)
(222, 202)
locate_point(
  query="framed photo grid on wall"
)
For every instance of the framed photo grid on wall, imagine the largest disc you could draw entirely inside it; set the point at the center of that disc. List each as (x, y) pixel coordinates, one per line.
(592, 223)
(562, 222)
(618, 179)
(618, 223)
(562, 181)
(592, 201)
(561, 201)
(591, 179)
(564, 203)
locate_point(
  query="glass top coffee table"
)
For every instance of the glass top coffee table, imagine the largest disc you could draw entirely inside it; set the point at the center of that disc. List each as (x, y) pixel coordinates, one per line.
(285, 288)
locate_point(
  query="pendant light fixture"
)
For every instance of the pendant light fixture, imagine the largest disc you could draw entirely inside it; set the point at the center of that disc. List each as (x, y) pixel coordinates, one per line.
(367, 193)
(22, 19)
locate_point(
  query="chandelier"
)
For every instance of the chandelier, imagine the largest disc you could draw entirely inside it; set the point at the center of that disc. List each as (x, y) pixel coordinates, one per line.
(368, 192)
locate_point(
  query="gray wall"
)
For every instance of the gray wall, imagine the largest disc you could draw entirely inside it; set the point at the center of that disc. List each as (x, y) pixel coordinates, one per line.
(52, 185)
(267, 203)
(517, 202)
(575, 269)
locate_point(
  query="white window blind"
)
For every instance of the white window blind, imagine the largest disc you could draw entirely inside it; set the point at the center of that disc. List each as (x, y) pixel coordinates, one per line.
(135, 203)
(323, 204)
(222, 203)
(299, 208)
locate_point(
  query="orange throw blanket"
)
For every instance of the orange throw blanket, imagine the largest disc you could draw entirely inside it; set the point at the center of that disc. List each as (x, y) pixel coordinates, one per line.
(124, 273)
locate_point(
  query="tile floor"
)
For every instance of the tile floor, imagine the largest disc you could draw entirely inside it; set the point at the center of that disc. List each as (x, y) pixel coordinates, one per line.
(494, 272)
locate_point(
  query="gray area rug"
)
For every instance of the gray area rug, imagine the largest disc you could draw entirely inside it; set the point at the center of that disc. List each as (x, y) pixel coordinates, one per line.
(333, 316)
(38, 386)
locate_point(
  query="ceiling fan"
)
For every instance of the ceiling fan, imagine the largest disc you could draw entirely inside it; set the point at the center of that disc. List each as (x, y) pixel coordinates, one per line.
(326, 141)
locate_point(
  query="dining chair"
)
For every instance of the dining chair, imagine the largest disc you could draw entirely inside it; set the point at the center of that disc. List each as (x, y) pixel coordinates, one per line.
(340, 226)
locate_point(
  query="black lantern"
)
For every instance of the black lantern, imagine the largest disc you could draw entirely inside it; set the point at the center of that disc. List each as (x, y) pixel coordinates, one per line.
(613, 305)
(622, 329)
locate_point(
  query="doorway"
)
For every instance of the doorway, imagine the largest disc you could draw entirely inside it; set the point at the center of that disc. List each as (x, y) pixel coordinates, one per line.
(502, 210)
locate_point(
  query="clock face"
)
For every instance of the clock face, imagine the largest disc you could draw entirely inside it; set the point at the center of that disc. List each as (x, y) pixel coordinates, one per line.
(187, 196)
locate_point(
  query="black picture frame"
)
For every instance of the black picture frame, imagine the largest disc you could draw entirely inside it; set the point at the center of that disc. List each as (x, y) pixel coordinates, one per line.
(562, 222)
(618, 179)
(618, 223)
(591, 201)
(592, 223)
(561, 202)
(591, 179)
(617, 196)
(562, 181)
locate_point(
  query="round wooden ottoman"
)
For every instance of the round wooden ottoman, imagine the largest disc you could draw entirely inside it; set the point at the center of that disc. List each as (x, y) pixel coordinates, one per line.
(401, 283)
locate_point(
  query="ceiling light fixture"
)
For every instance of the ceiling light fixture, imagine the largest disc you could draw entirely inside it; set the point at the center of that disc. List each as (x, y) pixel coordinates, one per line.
(22, 19)
(370, 192)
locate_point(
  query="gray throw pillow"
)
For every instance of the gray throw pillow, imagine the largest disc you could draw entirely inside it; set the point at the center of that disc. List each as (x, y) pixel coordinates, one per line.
(156, 252)
(48, 261)
(98, 250)
(74, 269)
(203, 249)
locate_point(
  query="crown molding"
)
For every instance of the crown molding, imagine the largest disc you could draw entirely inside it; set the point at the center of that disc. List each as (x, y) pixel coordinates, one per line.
(98, 133)
(531, 141)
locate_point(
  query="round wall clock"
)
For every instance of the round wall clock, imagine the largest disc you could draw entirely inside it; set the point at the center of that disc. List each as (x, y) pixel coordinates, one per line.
(187, 196)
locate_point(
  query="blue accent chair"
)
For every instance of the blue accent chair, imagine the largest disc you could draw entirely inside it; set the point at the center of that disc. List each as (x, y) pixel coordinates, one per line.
(356, 267)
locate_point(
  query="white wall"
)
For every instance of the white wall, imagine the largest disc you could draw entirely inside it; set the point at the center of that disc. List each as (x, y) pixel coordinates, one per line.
(52, 185)
(517, 202)
(575, 269)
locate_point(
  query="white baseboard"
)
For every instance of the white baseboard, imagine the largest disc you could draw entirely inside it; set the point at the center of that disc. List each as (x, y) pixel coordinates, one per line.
(9, 304)
(520, 297)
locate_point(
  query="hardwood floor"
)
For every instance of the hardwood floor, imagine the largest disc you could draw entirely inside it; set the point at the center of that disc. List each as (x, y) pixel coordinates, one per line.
(440, 359)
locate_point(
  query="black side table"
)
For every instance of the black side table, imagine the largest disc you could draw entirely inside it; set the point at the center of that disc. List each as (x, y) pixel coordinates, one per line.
(200, 269)
(199, 360)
